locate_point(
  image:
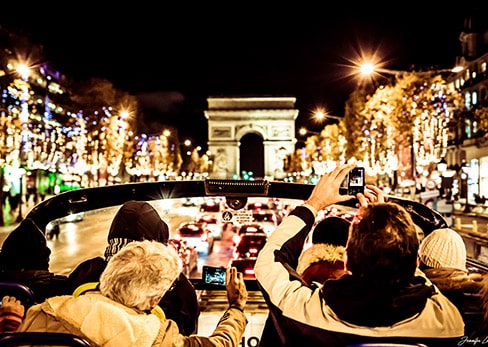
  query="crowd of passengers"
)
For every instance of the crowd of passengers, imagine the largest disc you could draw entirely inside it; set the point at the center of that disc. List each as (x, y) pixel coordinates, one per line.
(375, 279)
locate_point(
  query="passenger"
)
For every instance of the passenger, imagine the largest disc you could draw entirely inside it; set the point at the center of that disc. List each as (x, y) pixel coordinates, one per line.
(137, 221)
(11, 314)
(122, 312)
(443, 260)
(380, 301)
(325, 258)
(24, 258)
(480, 333)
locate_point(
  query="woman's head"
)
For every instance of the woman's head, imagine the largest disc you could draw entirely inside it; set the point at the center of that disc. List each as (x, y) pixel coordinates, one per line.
(140, 274)
(443, 248)
(383, 244)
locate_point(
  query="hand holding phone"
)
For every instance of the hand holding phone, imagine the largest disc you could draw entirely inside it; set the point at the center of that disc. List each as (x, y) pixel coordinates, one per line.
(355, 181)
(214, 276)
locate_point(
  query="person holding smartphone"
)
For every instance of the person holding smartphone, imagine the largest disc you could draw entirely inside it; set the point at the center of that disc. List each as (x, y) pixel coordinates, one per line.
(136, 221)
(383, 297)
(122, 311)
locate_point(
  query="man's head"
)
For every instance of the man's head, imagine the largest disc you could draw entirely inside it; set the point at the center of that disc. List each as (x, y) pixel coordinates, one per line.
(140, 274)
(383, 245)
(135, 221)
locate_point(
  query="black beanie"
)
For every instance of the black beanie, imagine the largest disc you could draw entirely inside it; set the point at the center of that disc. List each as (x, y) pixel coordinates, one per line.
(138, 221)
(25, 248)
(332, 230)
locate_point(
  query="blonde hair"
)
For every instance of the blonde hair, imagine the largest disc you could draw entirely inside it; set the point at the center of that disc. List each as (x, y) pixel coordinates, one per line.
(140, 273)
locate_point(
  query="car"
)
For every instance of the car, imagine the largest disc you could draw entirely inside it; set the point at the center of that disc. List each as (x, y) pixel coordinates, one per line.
(209, 206)
(213, 223)
(247, 250)
(188, 255)
(272, 204)
(248, 228)
(267, 219)
(244, 265)
(256, 206)
(53, 229)
(196, 234)
(250, 244)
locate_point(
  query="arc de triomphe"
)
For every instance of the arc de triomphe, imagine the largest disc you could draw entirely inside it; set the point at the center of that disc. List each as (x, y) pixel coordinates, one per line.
(269, 123)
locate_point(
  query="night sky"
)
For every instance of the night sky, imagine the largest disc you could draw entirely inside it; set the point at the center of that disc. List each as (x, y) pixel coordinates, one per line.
(173, 58)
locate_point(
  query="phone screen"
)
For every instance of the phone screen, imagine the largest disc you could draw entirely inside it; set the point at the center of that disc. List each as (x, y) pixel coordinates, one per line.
(214, 276)
(356, 181)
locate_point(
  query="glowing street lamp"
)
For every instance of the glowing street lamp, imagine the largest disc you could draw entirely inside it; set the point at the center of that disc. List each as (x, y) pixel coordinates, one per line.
(305, 131)
(371, 69)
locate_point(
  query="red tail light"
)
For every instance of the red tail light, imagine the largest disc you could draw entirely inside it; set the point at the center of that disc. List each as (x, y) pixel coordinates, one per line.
(253, 250)
(249, 271)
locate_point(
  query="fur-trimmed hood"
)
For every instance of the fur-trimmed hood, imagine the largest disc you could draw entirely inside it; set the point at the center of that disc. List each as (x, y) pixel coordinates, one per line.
(320, 252)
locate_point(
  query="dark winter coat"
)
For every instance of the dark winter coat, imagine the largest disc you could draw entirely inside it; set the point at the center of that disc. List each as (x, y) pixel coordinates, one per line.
(24, 258)
(463, 289)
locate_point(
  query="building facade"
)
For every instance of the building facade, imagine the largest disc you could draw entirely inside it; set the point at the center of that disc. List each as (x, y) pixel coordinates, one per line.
(468, 142)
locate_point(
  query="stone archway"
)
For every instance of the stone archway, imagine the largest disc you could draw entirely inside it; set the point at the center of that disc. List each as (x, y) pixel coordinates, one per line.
(231, 118)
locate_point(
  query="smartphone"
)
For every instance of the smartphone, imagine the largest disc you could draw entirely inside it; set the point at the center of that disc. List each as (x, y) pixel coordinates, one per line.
(214, 276)
(355, 181)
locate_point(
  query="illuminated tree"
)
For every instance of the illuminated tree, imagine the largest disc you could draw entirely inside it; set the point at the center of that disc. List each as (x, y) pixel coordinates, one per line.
(350, 127)
(408, 118)
(481, 114)
(109, 126)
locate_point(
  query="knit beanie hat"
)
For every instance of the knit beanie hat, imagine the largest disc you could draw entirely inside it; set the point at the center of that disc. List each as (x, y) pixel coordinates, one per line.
(25, 248)
(135, 221)
(332, 230)
(443, 248)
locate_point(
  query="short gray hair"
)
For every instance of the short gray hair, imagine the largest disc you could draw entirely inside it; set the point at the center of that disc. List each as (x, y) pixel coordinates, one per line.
(140, 272)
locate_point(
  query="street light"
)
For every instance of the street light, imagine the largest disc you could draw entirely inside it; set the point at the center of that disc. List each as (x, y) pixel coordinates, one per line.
(321, 115)
(304, 131)
(369, 68)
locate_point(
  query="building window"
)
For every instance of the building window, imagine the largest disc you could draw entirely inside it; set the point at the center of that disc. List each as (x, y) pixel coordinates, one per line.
(467, 128)
(467, 100)
(474, 98)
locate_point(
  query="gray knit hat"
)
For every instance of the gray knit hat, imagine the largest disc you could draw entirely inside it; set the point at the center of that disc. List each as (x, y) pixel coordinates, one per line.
(443, 248)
